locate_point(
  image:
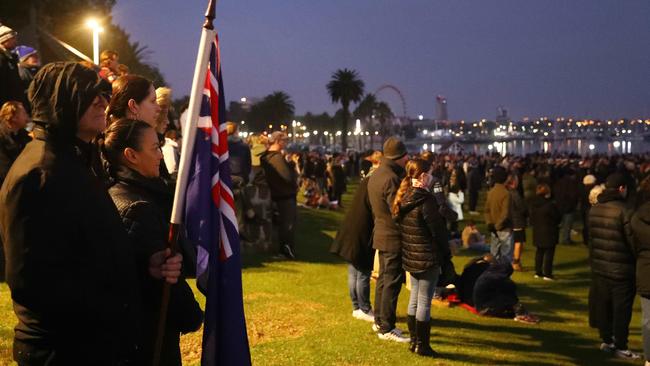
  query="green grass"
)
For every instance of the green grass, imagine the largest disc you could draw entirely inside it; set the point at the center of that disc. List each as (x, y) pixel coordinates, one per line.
(299, 313)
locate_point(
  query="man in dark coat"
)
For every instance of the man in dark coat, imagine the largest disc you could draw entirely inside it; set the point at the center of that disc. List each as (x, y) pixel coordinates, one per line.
(382, 187)
(11, 85)
(566, 194)
(613, 268)
(640, 224)
(70, 269)
(474, 182)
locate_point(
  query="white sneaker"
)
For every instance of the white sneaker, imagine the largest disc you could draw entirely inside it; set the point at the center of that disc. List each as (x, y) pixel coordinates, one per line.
(545, 278)
(607, 347)
(627, 354)
(375, 327)
(394, 335)
(359, 314)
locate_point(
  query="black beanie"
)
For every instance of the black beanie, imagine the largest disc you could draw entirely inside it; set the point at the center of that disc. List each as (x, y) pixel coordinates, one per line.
(499, 174)
(615, 180)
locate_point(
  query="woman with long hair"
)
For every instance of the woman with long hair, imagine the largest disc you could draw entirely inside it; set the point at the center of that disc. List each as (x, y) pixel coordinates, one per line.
(518, 213)
(424, 248)
(144, 202)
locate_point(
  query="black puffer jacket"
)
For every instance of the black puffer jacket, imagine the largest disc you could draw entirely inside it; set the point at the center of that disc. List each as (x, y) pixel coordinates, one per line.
(641, 230)
(544, 218)
(610, 244)
(423, 231)
(145, 206)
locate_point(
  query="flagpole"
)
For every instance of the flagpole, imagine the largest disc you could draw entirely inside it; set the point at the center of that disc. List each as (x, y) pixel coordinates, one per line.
(187, 148)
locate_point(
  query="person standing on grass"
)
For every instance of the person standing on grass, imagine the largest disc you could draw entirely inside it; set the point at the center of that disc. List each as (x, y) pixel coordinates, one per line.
(612, 290)
(282, 179)
(497, 218)
(640, 224)
(70, 269)
(518, 213)
(424, 248)
(144, 202)
(382, 187)
(353, 243)
(544, 218)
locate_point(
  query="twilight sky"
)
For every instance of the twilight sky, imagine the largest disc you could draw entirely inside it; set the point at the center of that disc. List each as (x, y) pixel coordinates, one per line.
(582, 58)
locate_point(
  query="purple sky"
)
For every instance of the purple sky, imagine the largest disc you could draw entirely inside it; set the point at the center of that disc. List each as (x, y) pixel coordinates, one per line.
(583, 58)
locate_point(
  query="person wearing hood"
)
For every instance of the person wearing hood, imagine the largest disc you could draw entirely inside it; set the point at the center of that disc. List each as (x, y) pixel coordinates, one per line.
(611, 254)
(144, 202)
(545, 219)
(640, 224)
(70, 269)
(28, 64)
(425, 247)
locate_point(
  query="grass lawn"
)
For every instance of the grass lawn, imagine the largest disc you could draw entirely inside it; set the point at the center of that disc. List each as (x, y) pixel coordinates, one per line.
(299, 313)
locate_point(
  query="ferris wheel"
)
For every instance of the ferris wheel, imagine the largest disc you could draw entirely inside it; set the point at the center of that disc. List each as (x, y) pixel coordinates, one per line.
(399, 94)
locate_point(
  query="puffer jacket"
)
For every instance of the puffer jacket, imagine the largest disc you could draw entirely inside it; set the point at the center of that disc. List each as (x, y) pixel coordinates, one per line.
(640, 224)
(610, 244)
(145, 205)
(422, 230)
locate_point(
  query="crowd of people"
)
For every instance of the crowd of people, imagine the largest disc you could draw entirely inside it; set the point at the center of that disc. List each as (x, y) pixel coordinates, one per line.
(88, 162)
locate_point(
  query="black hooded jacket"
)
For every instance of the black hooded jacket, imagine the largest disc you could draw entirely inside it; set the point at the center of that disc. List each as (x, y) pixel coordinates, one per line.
(545, 219)
(610, 238)
(640, 224)
(423, 231)
(69, 266)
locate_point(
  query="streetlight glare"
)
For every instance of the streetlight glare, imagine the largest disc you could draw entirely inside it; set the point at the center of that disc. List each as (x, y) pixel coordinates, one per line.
(92, 23)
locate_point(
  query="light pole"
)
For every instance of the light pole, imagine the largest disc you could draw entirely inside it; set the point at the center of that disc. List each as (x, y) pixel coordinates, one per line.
(92, 24)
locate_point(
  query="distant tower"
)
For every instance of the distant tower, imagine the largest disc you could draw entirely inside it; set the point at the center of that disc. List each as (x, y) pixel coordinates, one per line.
(441, 109)
(502, 115)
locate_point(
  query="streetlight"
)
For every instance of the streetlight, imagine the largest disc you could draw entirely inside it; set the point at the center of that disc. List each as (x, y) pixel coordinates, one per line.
(94, 25)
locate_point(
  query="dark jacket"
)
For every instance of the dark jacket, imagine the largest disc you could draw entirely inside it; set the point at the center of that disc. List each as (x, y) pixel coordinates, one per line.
(566, 193)
(518, 210)
(610, 238)
(145, 207)
(545, 219)
(11, 144)
(423, 231)
(640, 224)
(11, 87)
(69, 265)
(240, 158)
(353, 241)
(467, 280)
(382, 186)
(474, 179)
(281, 177)
(495, 294)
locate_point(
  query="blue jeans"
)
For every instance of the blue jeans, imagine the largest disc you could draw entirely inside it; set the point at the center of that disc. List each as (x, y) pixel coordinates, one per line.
(359, 285)
(565, 228)
(501, 246)
(422, 286)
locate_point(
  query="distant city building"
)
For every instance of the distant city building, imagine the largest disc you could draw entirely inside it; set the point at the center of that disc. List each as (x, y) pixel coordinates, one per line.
(441, 109)
(502, 115)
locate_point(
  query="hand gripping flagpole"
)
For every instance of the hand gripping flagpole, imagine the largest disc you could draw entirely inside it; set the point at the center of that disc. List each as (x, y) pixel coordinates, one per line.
(189, 135)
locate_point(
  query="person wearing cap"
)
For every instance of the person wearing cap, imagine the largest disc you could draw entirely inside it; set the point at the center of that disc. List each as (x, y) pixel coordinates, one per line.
(28, 64)
(70, 267)
(282, 179)
(382, 187)
(497, 217)
(612, 260)
(11, 85)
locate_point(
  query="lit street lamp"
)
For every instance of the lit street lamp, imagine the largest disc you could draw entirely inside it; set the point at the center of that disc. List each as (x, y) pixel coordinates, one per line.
(92, 24)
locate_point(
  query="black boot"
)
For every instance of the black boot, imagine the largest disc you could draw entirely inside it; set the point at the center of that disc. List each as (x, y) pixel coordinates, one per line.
(423, 334)
(410, 321)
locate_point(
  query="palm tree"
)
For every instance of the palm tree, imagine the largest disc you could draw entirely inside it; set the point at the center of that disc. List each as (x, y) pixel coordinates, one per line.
(276, 107)
(345, 87)
(383, 113)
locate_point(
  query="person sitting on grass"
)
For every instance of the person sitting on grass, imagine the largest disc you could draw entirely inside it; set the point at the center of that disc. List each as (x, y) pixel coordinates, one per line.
(545, 219)
(424, 248)
(473, 239)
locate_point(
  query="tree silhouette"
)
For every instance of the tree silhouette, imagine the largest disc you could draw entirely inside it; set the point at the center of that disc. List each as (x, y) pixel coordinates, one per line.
(345, 87)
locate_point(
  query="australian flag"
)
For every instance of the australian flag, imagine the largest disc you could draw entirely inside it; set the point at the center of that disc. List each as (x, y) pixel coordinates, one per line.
(211, 223)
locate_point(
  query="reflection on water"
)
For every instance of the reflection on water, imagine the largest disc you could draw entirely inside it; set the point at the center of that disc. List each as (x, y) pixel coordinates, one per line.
(582, 147)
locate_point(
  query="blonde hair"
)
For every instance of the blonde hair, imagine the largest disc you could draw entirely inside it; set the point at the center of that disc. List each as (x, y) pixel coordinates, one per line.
(9, 111)
(594, 193)
(414, 168)
(164, 100)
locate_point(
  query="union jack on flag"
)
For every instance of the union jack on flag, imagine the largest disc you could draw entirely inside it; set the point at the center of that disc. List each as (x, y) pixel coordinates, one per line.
(211, 223)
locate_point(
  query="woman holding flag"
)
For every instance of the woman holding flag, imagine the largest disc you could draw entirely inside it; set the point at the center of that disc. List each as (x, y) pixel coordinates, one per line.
(144, 201)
